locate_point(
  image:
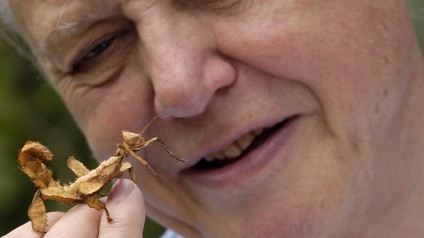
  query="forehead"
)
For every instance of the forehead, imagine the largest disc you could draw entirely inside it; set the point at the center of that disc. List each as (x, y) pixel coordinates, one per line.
(39, 19)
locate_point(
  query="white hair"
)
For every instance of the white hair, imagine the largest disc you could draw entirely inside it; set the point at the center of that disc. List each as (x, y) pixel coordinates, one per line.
(6, 16)
(10, 33)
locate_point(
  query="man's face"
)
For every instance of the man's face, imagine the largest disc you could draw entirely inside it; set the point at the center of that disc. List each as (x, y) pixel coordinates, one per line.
(322, 80)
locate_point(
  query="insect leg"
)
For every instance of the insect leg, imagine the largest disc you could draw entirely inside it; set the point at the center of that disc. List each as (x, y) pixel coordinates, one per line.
(132, 174)
(162, 143)
(95, 203)
(142, 161)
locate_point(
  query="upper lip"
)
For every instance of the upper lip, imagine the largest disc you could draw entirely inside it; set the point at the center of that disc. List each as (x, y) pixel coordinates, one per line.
(231, 136)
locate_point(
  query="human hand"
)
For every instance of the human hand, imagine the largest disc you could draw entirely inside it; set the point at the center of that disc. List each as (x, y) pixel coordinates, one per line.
(125, 204)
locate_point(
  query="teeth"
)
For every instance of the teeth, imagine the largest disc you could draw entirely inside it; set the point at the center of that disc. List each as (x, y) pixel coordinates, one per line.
(236, 148)
(245, 140)
(219, 155)
(209, 158)
(258, 132)
(232, 151)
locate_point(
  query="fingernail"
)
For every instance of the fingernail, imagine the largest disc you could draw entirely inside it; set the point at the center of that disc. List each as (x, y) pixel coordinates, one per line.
(120, 190)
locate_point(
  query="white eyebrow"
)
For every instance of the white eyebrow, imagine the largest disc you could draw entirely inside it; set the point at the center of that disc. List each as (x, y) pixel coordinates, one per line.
(73, 19)
(67, 26)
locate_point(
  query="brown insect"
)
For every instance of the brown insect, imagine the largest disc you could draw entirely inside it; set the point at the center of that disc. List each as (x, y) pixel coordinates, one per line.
(87, 187)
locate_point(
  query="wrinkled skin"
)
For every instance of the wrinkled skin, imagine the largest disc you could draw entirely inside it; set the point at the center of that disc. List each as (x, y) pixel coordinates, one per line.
(349, 164)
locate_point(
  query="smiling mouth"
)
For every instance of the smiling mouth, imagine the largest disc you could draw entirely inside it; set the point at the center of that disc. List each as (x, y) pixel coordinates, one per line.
(239, 148)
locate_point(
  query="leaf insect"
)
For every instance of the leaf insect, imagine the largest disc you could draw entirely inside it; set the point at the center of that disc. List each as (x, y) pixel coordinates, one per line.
(89, 183)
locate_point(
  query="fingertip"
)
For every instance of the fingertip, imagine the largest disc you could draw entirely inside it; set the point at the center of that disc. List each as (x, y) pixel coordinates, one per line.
(25, 230)
(126, 207)
(121, 190)
(79, 221)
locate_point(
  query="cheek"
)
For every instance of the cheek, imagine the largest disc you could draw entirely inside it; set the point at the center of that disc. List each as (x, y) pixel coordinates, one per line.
(126, 104)
(349, 74)
(305, 40)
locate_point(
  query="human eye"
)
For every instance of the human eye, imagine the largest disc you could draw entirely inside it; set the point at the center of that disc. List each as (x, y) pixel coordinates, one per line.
(102, 53)
(223, 6)
(96, 50)
(99, 48)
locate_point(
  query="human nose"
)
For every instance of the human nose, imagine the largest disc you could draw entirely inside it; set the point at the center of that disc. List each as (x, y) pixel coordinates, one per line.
(183, 61)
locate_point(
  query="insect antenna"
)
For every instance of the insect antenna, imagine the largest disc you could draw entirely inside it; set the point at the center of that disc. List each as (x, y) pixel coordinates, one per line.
(151, 121)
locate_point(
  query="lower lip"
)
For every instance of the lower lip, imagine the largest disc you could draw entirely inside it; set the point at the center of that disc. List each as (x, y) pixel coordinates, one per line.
(247, 167)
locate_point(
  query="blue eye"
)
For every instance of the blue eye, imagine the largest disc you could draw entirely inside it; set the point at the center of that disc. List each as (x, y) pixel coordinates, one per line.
(99, 48)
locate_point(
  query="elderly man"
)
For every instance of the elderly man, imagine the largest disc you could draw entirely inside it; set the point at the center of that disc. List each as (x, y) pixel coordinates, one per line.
(298, 119)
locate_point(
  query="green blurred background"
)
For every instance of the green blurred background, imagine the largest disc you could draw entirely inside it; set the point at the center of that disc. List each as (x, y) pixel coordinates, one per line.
(31, 110)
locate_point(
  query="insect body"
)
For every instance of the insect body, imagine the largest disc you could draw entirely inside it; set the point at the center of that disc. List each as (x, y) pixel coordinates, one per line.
(87, 187)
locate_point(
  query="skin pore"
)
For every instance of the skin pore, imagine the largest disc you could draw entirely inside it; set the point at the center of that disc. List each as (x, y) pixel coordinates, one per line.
(346, 78)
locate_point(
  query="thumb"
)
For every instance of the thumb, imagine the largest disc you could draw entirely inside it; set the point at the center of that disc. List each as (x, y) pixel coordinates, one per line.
(126, 207)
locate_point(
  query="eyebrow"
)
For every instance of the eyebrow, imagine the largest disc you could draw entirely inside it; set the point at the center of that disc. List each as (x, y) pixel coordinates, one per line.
(74, 27)
(57, 42)
(69, 25)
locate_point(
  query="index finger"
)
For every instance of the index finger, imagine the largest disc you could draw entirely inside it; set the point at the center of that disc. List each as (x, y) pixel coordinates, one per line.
(25, 230)
(79, 221)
